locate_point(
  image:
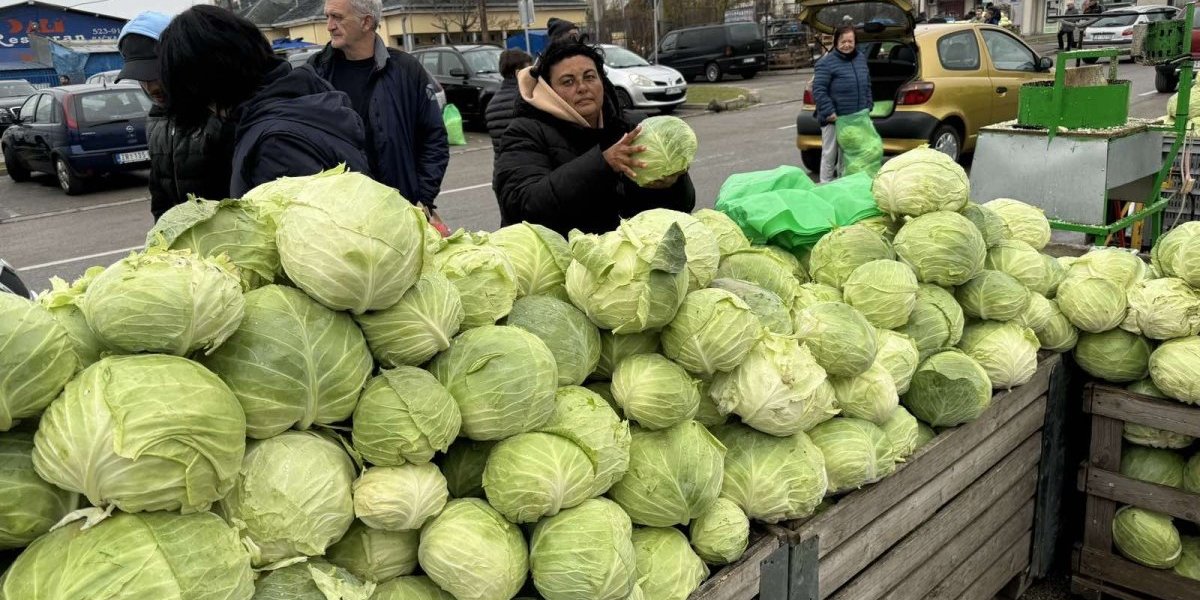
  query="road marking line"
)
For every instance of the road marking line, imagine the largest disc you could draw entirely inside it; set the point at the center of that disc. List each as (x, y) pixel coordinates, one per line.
(1150, 93)
(68, 211)
(464, 189)
(789, 126)
(64, 261)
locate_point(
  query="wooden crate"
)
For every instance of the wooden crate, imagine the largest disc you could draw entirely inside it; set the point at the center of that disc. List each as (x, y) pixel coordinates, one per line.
(1099, 572)
(760, 573)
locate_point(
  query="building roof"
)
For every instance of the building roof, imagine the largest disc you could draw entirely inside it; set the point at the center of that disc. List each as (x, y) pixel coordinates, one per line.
(269, 14)
(23, 66)
(51, 6)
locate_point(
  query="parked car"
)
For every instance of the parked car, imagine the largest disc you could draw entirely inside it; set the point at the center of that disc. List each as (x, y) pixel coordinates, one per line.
(12, 95)
(933, 84)
(1166, 77)
(470, 74)
(300, 58)
(78, 132)
(712, 51)
(104, 77)
(640, 84)
(1115, 27)
(10, 283)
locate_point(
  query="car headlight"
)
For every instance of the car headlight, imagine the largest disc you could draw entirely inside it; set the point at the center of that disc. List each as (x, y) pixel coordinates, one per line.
(641, 80)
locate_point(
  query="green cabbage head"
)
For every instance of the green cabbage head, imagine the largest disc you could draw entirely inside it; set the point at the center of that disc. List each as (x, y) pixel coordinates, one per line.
(486, 281)
(534, 475)
(1059, 334)
(1006, 351)
(239, 229)
(404, 416)
(1147, 537)
(1026, 223)
(768, 270)
(857, 452)
(948, 389)
(313, 579)
(942, 247)
(655, 392)
(625, 284)
(165, 301)
(615, 347)
(111, 436)
(904, 430)
(539, 257)
(871, 396)
(1150, 436)
(400, 498)
(667, 567)
(921, 181)
(1155, 465)
(721, 534)
(156, 555)
(815, 293)
(1023, 263)
(1177, 254)
(670, 148)
(841, 339)
(1173, 369)
(771, 478)
(30, 506)
(730, 238)
(779, 389)
(292, 362)
(1189, 561)
(993, 295)
(1163, 309)
(293, 496)
(772, 313)
(415, 329)
(936, 322)
(584, 552)
(994, 229)
(411, 588)
(836, 255)
(1117, 265)
(463, 467)
(1191, 474)
(898, 353)
(503, 379)
(1117, 355)
(351, 243)
(63, 301)
(712, 332)
(674, 475)
(1038, 314)
(473, 553)
(37, 359)
(884, 291)
(703, 255)
(375, 554)
(1092, 304)
(585, 418)
(566, 331)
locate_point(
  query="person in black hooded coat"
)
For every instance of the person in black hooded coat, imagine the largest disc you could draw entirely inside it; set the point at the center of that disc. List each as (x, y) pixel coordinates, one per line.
(565, 162)
(290, 122)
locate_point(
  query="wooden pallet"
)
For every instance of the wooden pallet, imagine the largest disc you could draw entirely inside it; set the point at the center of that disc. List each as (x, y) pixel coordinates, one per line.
(972, 513)
(1099, 572)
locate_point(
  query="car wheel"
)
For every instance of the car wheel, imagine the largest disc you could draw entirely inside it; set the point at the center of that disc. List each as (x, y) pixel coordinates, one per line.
(67, 179)
(712, 72)
(1165, 82)
(946, 139)
(624, 100)
(811, 159)
(17, 171)
(749, 74)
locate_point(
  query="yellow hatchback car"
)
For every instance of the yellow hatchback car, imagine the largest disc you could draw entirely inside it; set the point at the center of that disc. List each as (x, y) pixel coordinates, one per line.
(935, 84)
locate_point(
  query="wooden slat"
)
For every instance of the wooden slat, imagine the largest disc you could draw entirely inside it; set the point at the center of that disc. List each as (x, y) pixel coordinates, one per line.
(1105, 454)
(982, 474)
(1151, 496)
(1155, 583)
(1098, 590)
(1163, 414)
(852, 513)
(739, 581)
(1017, 528)
(1010, 564)
(1052, 469)
(928, 574)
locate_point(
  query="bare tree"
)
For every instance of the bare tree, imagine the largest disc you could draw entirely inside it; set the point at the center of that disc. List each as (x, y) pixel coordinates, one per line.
(457, 15)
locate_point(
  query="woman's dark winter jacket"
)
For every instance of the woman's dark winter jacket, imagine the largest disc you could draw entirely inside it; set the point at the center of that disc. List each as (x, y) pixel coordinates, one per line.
(186, 162)
(841, 85)
(550, 170)
(295, 125)
(501, 110)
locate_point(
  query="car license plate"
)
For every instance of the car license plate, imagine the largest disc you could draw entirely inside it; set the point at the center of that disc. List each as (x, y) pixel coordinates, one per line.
(748, 60)
(1101, 36)
(126, 158)
(672, 91)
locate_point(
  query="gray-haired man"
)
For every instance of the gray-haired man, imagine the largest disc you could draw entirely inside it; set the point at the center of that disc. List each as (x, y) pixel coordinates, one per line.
(406, 138)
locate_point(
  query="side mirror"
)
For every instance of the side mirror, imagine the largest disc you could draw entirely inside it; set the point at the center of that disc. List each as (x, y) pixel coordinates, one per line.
(16, 113)
(457, 72)
(1045, 63)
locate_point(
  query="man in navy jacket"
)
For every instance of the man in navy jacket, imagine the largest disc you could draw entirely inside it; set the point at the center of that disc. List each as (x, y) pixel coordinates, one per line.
(390, 90)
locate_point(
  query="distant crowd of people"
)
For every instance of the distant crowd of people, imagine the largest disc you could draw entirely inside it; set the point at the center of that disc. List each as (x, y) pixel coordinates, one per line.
(229, 115)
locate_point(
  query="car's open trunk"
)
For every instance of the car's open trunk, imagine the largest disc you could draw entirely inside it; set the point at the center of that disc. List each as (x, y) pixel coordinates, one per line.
(891, 64)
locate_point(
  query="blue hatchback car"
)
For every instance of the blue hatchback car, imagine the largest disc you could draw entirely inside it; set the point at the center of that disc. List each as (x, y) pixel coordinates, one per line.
(78, 132)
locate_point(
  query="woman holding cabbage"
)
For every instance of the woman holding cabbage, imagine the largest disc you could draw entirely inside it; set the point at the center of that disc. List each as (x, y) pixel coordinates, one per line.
(841, 86)
(569, 160)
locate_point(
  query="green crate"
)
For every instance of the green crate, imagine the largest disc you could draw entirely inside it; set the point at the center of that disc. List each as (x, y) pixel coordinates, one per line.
(1084, 107)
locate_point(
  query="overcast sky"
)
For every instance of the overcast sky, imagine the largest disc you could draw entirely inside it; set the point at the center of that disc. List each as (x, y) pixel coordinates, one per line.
(127, 8)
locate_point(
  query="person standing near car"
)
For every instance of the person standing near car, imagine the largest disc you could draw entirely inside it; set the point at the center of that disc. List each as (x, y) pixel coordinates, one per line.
(1067, 27)
(396, 98)
(182, 161)
(289, 122)
(841, 86)
(502, 108)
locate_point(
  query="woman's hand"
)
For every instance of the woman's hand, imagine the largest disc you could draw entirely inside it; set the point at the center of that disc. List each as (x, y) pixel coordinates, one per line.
(621, 156)
(831, 119)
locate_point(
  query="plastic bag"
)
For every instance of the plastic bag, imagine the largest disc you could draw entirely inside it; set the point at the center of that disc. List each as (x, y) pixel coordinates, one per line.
(454, 125)
(786, 177)
(862, 148)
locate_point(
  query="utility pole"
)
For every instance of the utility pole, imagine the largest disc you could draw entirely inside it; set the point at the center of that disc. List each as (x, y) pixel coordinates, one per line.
(655, 6)
(483, 26)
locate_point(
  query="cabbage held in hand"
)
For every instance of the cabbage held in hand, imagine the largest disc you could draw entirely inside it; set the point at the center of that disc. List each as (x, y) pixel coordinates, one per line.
(145, 432)
(943, 248)
(584, 552)
(626, 285)
(36, 359)
(292, 362)
(674, 475)
(1173, 368)
(779, 389)
(165, 301)
(841, 339)
(473, 553)
(921, 181)
(772, 478)
(948, 389)
(1116, 355)
(712, 332)
(884, 291)
(1006, 351)
(239, 229)
(836, 255)
(150, 555)
(566, 331)
(539, 258)
(856, 452)
(404, 416)
(1026, 223)
(503, 379)
(416, 328)
(670, 148)
(351, 243)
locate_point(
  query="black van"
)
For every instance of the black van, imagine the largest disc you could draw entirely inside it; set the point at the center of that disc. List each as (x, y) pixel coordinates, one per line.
(712, 51)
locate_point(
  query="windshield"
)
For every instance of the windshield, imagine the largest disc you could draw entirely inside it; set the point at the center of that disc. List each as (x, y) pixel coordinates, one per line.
(486, 60)
(9, 89)
(1116, 20)
(113, 105)
(620, 58)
